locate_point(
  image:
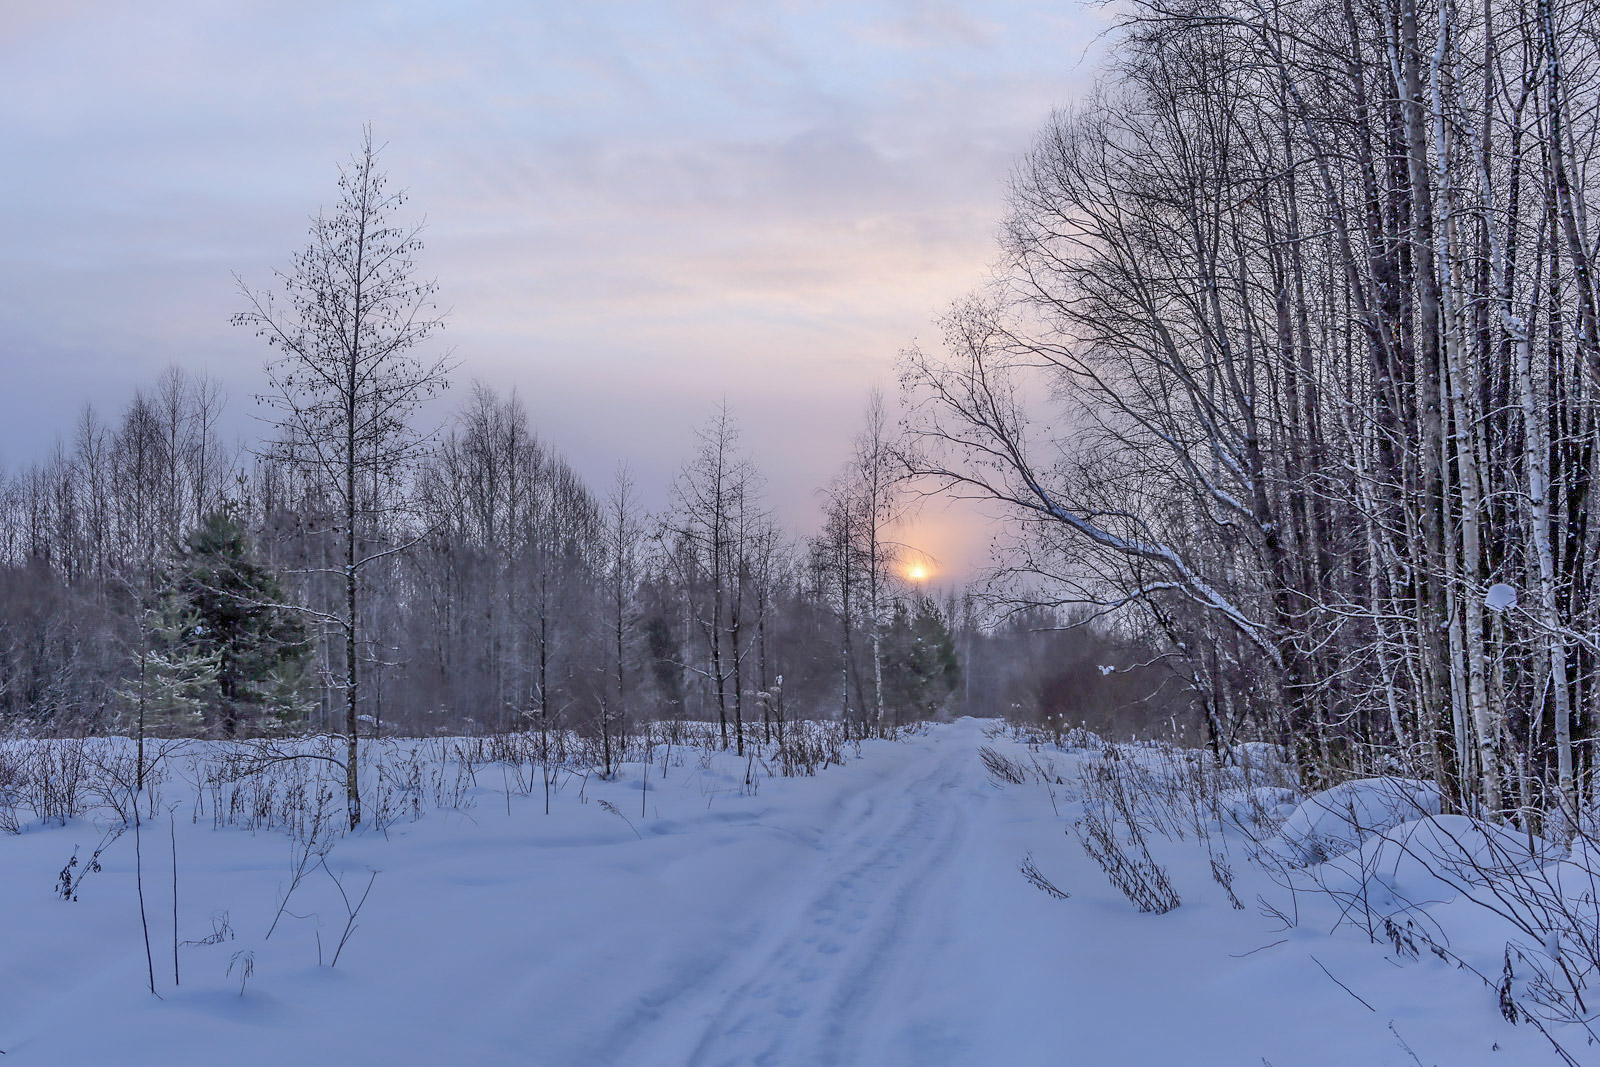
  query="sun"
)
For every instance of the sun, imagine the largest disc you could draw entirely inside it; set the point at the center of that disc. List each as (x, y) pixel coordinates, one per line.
(917, 572)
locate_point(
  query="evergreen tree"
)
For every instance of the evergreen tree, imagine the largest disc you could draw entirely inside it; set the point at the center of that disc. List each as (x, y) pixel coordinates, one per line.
(919, 660)
(175, 680)
(238, 615)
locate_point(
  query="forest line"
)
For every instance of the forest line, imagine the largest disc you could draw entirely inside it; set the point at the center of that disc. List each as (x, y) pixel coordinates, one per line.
(1312, 286)
(356, 572)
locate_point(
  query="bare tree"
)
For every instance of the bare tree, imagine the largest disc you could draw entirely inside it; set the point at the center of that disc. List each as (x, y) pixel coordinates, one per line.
(1291, 357)
(707, 536)
(875, 470)
(623, 536)
(346, 380)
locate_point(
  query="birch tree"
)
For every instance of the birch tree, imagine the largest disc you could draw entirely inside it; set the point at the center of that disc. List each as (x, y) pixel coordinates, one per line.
(346, 379)
(1290, 358)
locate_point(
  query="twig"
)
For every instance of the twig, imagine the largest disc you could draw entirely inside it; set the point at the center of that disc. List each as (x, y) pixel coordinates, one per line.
(1563, 1053)
(1252, 952)
(1037, 879)
(1340, 984)
(350, 922)
(1409, 1051)
(612, 808)
(172, 834)
(138, 875)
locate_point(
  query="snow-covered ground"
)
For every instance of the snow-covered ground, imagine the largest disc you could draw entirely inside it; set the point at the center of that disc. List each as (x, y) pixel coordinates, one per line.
(872, 914)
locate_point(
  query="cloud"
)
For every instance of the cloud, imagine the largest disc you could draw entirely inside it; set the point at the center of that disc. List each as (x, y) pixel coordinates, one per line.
(634, 209)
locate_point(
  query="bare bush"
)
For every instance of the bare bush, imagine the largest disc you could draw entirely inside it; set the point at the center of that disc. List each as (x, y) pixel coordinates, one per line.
(1037, 879)
(11, 772)
(1001, 768)
(1140, 878)
(55, 774)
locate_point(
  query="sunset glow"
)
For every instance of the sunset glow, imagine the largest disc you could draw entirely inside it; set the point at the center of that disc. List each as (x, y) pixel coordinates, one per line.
(917, 572)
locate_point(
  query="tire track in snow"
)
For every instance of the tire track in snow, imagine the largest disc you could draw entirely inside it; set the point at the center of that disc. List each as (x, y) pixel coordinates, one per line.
(697, 986)
(810, 997)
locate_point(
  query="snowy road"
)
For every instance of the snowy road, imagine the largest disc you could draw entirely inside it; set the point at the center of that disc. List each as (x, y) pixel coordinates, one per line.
(818, 984)
(871, 915)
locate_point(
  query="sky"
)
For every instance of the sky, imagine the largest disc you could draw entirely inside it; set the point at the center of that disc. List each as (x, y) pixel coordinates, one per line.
(635, 211)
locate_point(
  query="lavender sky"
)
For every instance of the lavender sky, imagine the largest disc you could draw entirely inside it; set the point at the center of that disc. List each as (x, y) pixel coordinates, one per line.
(634, 210)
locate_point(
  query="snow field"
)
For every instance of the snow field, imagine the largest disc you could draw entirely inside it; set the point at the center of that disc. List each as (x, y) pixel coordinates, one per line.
(872, 914)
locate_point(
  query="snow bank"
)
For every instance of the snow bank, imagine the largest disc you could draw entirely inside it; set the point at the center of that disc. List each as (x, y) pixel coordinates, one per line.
(1337, 820)
(1263, 806)
(1435, 859)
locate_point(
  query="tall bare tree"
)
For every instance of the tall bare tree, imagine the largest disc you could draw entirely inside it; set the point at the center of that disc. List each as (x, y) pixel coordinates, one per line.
(707, 537)
(346, 380)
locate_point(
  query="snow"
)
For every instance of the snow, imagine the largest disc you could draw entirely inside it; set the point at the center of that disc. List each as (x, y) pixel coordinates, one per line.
(1337, 820)
(1434, 859)
(872, 914)
(1500, 597)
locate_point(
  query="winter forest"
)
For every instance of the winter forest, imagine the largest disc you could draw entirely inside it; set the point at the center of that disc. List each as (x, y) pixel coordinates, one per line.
(1280, 401)
(358, 571)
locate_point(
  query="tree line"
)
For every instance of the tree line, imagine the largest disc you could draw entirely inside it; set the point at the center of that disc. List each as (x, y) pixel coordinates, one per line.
(353, 572)
(359, 573)
(1310, 289)
(514, 591)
